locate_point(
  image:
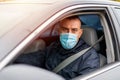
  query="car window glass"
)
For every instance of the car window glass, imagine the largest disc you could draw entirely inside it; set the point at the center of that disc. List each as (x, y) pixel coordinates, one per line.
(92, 20)
(118, 13)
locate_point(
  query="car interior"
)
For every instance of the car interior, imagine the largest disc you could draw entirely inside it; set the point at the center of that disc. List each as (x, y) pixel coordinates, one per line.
(92, 31)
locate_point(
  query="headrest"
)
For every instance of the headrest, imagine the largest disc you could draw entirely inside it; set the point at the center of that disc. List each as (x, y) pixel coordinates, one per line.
(36, 45)
(90, 36)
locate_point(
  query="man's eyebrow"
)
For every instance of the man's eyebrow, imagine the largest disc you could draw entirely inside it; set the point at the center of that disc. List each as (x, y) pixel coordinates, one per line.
(63, 27)
(74, 28)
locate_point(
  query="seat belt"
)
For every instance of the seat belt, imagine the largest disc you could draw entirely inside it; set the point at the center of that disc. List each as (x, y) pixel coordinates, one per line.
(72, 58)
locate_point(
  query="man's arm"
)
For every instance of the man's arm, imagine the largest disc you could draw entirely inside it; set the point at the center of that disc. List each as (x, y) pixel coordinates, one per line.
(91, 62)
(35, 59)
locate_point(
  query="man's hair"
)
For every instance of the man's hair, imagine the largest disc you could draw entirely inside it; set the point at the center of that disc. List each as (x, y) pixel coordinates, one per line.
(73, 17)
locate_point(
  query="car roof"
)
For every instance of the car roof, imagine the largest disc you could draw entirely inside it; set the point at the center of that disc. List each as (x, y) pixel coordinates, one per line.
(48, 2)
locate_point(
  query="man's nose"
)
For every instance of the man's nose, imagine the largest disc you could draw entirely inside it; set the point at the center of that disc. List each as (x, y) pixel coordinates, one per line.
(69, 31)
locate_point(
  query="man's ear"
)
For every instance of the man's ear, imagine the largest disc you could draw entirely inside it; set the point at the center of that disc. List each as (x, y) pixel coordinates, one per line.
(80, 33)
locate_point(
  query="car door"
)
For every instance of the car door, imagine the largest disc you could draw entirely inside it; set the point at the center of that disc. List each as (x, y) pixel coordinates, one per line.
(107, 28)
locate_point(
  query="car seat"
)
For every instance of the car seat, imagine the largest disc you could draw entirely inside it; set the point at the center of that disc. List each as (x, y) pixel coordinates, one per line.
(90, 37)
(38, 44)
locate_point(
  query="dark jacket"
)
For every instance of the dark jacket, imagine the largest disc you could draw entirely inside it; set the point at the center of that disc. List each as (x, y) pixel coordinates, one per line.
(55, 54)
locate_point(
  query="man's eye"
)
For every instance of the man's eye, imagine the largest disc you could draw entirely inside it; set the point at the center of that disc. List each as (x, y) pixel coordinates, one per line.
(64, 29)
(74, 30)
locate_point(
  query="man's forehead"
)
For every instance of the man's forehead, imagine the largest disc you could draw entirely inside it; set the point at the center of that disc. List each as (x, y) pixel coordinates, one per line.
(67, 22)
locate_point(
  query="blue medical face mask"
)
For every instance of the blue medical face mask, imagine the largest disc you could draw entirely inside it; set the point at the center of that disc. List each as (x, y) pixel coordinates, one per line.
(68, 40)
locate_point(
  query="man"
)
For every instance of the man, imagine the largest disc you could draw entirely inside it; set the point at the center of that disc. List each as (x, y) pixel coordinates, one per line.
(69, 43)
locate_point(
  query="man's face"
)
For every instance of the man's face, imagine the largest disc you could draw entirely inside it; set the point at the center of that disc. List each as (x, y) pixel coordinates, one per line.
(71, 26)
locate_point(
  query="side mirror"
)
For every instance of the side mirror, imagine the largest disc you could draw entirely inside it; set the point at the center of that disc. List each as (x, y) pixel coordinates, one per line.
(27, 72)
